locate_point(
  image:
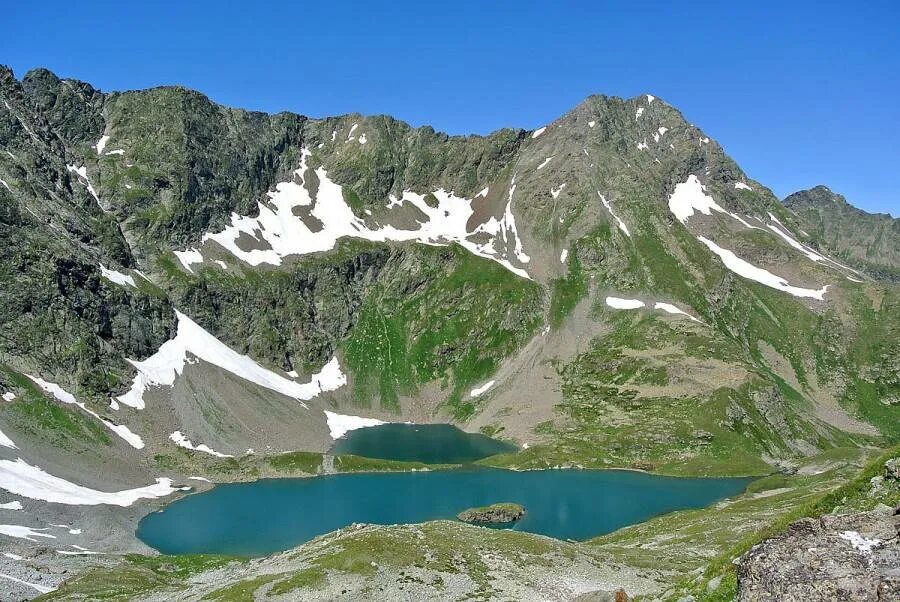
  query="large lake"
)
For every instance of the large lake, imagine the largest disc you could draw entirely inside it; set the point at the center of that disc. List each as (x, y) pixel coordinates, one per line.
(253, 519)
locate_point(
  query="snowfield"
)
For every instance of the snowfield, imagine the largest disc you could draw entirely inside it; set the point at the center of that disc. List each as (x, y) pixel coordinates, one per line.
(163, 367)
(279, 231)
(23, 479)
(340, 424)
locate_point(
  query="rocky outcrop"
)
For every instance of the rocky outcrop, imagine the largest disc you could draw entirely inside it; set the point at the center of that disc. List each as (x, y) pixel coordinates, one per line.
(835, 557)
(494, 514)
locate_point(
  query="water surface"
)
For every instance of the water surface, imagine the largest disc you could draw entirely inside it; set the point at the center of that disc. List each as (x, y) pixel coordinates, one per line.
(428, 443)
(267, 516)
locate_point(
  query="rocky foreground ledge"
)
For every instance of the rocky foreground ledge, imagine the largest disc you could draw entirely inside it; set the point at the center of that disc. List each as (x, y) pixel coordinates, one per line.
(835, 557)
(495, 514)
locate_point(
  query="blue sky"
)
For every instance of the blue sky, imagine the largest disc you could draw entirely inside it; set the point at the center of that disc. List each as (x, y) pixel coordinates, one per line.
(799, 93)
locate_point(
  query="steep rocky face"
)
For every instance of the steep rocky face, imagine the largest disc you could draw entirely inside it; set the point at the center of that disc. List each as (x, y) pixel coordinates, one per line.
(870, 242)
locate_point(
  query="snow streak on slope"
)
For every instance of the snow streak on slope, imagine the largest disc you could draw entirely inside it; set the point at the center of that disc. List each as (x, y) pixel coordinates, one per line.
(117, 277)
(35, 586)
(748, 270)
(82, 174)
(609, 208)
(165, 365)
(182, 441)
(21, 478)
(619, 303)
(64, 396)
(672, 309)
(340, 424)
(690, 196)
(482, 389)
(6, 441)
(22, 532)
(325, 218)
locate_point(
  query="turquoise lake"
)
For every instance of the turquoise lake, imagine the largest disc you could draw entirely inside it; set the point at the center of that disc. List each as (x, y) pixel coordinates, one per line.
(253, 519)
(428, 443)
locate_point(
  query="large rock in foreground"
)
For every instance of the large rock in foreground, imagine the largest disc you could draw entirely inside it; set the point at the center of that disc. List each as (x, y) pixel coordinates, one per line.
(836, 557)
(493, 514)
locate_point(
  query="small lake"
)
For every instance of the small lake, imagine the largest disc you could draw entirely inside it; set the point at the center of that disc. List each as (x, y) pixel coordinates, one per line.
(428, 443)
(254, 519)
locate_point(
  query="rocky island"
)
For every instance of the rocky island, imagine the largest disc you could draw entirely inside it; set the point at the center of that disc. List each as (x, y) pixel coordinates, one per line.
(493, 514)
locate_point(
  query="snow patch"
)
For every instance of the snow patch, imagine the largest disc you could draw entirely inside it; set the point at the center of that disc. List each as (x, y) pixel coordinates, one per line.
(690, 196)
(204, 479)
(12, 556)
(189, 257)
(21, 478)
(482, 389)
(591, 124)
(642, 146)
(741, 186)
(340, 424)
(638, 113)
(362, 139)
(78, 551)
(9, 396)
(22, 532)
(7, 442)
(544, 163)
(863, 544)
(101, 144)
(748, 270)
(118, 151)
(563, 255)
(182, 441)
(5, 185)
(554, 192)
(162, 368)
(16, 505)
(538, 132)
(650, 98)
(619, 303)
(117, 277)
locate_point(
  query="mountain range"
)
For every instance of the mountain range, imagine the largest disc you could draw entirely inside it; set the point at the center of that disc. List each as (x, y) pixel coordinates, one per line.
(187, 288)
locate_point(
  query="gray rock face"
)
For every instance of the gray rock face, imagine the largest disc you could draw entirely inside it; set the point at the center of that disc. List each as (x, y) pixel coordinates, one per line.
(869, 241)
(837, 557)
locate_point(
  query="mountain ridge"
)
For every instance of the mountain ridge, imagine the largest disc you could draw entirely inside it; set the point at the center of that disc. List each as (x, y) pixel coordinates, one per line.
(609, 290)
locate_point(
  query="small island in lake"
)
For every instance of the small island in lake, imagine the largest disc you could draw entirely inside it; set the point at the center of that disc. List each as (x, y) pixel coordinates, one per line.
(494, 514)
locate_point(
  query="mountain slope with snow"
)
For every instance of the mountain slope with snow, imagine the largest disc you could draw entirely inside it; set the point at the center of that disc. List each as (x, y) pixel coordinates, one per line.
(192, 291)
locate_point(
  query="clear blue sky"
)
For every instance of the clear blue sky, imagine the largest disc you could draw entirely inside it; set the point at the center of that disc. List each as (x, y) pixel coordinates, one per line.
(799, 93)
